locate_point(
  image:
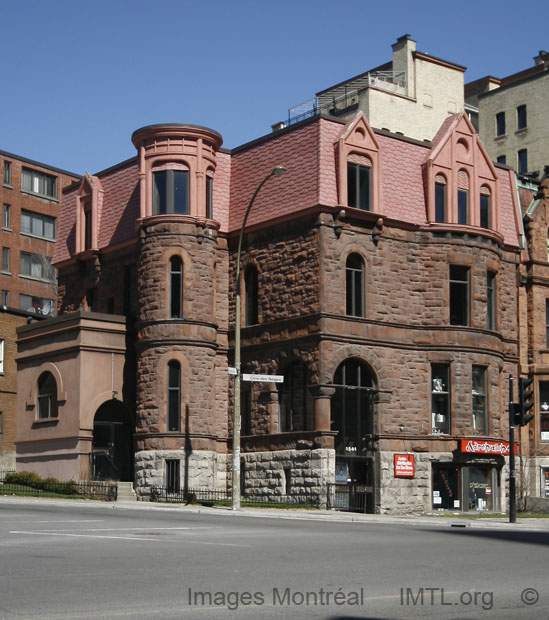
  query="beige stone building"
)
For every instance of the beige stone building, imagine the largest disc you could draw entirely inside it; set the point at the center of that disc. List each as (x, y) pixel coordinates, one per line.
(411, 95)
(513, 116)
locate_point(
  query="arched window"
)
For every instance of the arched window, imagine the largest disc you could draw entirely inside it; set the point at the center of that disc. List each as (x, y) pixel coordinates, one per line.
(463, 197)
(171, 191)
(440, 198)
(354, 272)
(47, 396)
(295, 400)
(358, 184)
(251, 316)
(174, 396)
(176, 287)
(353, 408)
(485, 207)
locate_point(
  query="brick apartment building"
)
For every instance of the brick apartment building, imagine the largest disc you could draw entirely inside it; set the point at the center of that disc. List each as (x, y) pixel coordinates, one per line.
(380, 280)
(30, 194)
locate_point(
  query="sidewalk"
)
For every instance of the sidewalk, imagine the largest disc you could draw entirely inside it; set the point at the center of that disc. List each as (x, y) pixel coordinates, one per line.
(531, 524)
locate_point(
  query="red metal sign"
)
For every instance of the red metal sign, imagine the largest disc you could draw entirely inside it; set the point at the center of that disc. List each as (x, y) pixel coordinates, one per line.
(404, 466)
(485, 446)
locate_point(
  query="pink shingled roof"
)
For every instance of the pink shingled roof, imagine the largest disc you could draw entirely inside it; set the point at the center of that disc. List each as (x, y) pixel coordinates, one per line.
(309, 154)
(402, 189)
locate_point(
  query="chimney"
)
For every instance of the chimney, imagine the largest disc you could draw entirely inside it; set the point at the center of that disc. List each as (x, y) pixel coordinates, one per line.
(403, 61)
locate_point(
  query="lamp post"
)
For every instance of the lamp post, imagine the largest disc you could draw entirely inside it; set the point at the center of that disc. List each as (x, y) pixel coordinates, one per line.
(276, 171)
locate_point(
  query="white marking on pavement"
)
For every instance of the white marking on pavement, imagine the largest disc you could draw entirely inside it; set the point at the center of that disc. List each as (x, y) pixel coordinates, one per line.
(191, 542)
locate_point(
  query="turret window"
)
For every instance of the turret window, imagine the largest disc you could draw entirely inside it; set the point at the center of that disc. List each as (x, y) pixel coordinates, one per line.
(171, 192)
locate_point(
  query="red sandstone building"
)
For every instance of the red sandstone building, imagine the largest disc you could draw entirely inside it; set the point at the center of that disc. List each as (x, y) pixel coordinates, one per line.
(380, 277)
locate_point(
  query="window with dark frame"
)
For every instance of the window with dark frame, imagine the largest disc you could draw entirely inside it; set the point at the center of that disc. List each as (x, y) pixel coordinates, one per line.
(500, 124)
(6, 260)
(440, 199)
(522, 161)
(296, 400)
(173, 482)
(502, 159)
(479, 400)
(171, 192)
(36, 266)
(459, 295)
(522, 121)
(354, 271)
(485, 214)
(174, 396)
(440, 398)
(251, 314)
(7, 173)
(176, 287)
(6, 217)
(5, 298)
(38, 225)
(209, 197)
(358, 186)
(47, 396)
(39, 183)
(491, 300)
(463, 206)
(87, 228)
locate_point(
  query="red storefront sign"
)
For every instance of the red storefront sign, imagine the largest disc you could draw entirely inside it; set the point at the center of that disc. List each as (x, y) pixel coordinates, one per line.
(404, 466)
(485, 446)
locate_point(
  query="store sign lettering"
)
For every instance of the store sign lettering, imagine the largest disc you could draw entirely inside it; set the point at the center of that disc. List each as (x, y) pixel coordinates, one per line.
(475, 446)
(404, 466)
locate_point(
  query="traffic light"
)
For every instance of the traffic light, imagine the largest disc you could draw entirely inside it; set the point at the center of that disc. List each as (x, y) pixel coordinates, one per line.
(522, 417)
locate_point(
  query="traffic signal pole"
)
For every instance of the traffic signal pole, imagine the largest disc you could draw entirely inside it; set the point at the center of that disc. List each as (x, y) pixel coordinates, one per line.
(512, 486)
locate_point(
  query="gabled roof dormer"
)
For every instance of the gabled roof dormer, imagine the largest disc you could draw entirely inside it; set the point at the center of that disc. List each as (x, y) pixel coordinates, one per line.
(89, 204)
(359, 166)
(461, 180)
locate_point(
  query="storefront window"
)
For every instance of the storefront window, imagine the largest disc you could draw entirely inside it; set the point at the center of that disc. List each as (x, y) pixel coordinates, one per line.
(446, 488)
(480, 488)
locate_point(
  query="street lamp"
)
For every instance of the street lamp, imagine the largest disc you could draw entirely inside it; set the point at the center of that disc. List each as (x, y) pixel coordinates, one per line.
(275, 172)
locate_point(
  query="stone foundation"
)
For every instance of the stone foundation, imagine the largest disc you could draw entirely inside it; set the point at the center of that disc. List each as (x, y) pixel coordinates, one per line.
(301, 473)
(7, 460)
(200, 469)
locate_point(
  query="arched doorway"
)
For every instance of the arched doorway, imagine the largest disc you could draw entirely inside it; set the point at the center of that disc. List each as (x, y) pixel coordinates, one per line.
(352, 416)
(112, 457)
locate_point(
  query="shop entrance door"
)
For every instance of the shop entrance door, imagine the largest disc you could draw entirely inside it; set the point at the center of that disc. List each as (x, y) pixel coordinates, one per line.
(446, 488)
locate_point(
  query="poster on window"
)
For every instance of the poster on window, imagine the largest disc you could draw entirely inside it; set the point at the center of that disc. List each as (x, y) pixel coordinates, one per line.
(404, 466)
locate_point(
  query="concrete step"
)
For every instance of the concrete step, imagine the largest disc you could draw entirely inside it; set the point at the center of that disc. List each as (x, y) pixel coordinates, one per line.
(126, 492)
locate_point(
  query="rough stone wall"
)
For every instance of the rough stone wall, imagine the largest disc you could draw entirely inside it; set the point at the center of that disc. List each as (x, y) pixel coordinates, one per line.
(111, 278)
(309, 473)
(198, 470)
(191, 340)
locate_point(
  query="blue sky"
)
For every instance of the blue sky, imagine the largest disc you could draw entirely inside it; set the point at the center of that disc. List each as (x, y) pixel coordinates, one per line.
(79, 77)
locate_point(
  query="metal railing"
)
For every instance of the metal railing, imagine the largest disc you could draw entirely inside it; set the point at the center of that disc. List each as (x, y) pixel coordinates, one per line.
(340, 98)
(350, 497)
(105, 491)
(213, 497)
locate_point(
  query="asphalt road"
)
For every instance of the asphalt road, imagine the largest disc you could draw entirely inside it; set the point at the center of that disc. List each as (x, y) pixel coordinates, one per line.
(88, 561)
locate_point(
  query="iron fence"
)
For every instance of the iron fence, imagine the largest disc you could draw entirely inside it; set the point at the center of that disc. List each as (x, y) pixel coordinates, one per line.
(350, 497)
(213, 497)
(105, 491)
